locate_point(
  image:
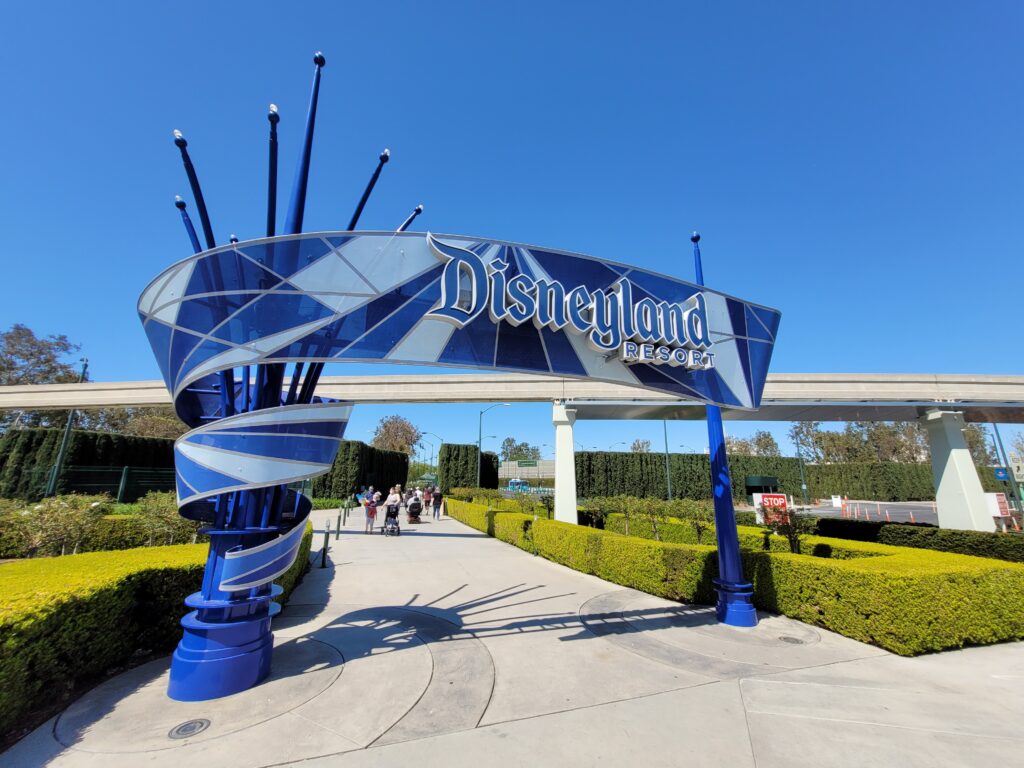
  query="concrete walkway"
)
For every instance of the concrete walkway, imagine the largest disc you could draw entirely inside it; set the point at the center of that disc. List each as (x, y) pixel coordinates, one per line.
(444, 647)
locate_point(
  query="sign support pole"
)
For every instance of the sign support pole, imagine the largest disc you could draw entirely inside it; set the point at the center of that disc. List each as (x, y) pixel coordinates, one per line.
(735, 595)
(51, 484)
(1009, 470)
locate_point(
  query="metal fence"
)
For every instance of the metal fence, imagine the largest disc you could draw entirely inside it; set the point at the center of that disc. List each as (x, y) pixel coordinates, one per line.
(125, 484)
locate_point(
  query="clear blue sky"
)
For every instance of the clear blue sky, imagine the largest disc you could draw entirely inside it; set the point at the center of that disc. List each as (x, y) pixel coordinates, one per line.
(857, 165)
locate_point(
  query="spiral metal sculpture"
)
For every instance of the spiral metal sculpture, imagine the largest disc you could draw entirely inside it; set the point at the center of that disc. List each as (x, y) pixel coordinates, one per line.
(225, 323)
(251, 442)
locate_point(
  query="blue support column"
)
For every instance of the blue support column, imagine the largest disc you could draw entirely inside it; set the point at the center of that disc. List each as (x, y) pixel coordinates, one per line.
(735, 594)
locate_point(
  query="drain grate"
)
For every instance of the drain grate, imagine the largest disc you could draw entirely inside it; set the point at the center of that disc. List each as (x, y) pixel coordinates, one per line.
(188, 728)
(791, 640)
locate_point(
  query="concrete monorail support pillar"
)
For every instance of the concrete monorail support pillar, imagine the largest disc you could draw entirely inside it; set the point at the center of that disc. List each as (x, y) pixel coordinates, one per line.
(958, 492)
(565, 464)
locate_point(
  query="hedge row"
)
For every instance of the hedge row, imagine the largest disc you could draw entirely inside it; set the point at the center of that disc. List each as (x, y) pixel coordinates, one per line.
(71, 524)
(885, 481)
(359, 465)
(1001, 546)
(608, 473)
(66, 621)
(457, 467)
(27, 456)
(750, 537)
(908, 601)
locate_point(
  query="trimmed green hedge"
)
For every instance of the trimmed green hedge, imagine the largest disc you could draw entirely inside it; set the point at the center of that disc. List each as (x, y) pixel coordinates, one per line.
(66, 621)
(358, 465)
(1001, 546)
(27, 456)
(607, 473)
(908, 601)
(457, 467)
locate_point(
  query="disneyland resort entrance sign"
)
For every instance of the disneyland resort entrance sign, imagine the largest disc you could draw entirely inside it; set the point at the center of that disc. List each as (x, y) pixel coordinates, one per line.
(226, 324)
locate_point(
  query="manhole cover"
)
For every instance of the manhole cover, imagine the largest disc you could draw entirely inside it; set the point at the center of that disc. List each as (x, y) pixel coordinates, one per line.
(188, 728)
(791, 640)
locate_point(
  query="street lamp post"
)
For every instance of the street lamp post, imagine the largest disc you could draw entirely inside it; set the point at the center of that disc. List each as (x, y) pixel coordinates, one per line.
(668, 475)
(1009, 469)
(621, 442)
(51, 486)
(803, 476)
(480, 439)
(440, 443)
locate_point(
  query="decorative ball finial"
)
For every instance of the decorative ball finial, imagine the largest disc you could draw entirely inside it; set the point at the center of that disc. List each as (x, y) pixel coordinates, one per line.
(385, 155)
(179, 203)
(318, 59)
(179, 139)
(419, 208)
(272, 115)
(695, 237)
(233, 238)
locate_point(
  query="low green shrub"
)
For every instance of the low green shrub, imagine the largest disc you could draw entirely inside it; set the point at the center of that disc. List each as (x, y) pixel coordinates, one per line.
(474, 515)
(63, 525)
(327, 503)
(65, 621)
(854, 530)
(907, 601)
(513, 528)
(1000, 546)
(746, 518)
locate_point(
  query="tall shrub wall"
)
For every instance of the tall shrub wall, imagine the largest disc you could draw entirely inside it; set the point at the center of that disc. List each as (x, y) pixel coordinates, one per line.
(456, 466)
(357, 465)
(885, 481)
(489, 470)
(26, 456)
(609, 473)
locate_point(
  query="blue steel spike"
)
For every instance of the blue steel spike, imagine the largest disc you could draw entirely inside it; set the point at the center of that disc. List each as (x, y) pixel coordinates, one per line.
(197, 192)
(297, 205)
(274, 118)
(734, 605)
(381, 161)
(415, 212)
(179, 203)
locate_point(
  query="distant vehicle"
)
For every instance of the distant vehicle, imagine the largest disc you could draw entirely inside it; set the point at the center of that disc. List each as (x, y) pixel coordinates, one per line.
(518, 486)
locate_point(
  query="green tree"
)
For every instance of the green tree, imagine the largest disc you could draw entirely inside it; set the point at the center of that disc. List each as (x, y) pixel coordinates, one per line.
(640, 446)
(513, 450)
(980, 446)
(739, 446)
(29, 359)
(142, 422)
(806, 435)
(396, 433)
(764, 444)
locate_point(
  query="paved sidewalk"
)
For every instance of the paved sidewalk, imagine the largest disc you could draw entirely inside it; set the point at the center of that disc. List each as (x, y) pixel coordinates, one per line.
(443, 647)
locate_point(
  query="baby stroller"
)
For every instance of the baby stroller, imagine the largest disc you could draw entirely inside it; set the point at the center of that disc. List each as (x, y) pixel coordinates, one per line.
(391, 522)
(414, 508)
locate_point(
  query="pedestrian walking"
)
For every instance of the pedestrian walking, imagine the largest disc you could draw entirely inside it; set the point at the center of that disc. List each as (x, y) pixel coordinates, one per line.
(436, 500)
(370, 508)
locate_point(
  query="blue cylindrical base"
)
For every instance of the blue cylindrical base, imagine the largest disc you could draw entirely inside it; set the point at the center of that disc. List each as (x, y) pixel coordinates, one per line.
(735, 605)
(225, 653)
